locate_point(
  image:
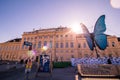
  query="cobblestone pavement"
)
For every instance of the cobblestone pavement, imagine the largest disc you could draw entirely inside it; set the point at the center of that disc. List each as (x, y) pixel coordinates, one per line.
(57, 74)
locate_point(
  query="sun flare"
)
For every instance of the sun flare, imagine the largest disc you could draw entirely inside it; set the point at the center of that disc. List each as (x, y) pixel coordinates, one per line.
(76, 28)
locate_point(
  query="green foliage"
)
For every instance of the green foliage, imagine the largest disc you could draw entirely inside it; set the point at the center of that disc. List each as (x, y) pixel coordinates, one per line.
(61, 64)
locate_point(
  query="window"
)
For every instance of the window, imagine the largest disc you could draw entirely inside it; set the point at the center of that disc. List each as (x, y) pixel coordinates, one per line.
(31, 39)
(10, 48)
(39, 44)
(57, 36)
(45, 36)
(66, 45)
(66, 35)
(7, 56)
(61, 45)
(22, 46)
(28, 39)
(84, 45)
(61, 51)
(57, 51)
(50, 51)
(72, 51)
(50, 44)
(24, 39)
(45, 43)
(26, 47)
(51, 36)
(13, 48)
(16, 47)
(67, 51)
(40, 37)
(35, 37)
(72, 56)
(71, 45)
(57, 45)
(113, 44)
(6, 47)
(1, 48)
(61, 35)
(79, 45)
(34, 46)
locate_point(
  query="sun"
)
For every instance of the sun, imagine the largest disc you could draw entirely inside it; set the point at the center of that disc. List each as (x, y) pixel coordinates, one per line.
(115, 3)
(75, 27)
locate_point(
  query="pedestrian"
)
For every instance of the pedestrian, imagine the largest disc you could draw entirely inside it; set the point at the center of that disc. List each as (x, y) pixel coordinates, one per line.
(26, 61)
(109, 61)
(28, 66)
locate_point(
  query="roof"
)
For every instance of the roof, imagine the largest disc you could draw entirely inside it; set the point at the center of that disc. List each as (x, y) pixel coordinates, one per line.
(15, 40)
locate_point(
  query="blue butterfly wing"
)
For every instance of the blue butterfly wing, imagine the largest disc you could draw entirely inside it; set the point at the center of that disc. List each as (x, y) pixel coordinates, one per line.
(99, 36)
(87, 35)
(101, 41)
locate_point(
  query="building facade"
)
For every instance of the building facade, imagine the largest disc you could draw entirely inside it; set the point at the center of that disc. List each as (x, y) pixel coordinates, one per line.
(60, 43)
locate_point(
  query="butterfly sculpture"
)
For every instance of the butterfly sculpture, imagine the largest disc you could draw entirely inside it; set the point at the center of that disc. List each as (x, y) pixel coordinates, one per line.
(97, 38)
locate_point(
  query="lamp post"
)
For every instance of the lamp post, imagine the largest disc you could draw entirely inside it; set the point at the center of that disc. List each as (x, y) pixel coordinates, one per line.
(44, 49)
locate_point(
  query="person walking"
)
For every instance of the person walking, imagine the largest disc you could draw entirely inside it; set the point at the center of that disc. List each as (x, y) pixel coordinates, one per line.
(28, 67)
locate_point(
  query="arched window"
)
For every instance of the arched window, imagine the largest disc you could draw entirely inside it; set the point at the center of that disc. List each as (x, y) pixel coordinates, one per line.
(79, 45)
(34, 46)
(23, 46)
(113, 44)
(66, 45)
(28, 39)
(84, 45)
(61, 45)
(66, 35)
(71, 45)
(57, 45)
(50, 45)
(45, 43)
(24, 39)
(39, 44)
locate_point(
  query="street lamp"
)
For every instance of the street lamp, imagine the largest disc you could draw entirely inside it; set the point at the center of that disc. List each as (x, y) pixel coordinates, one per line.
(44, 49)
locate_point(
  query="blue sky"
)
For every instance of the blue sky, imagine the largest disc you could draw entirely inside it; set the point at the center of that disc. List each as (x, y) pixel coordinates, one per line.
(18, 16)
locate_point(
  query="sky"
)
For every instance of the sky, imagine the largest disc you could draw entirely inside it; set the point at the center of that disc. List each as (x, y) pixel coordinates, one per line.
(18, 16)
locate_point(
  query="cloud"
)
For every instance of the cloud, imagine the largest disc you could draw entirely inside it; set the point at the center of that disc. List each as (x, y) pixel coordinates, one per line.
(115, 3)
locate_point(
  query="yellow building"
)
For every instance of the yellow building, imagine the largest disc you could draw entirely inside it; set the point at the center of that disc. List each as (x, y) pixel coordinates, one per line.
(10, 50)
(61, 43)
